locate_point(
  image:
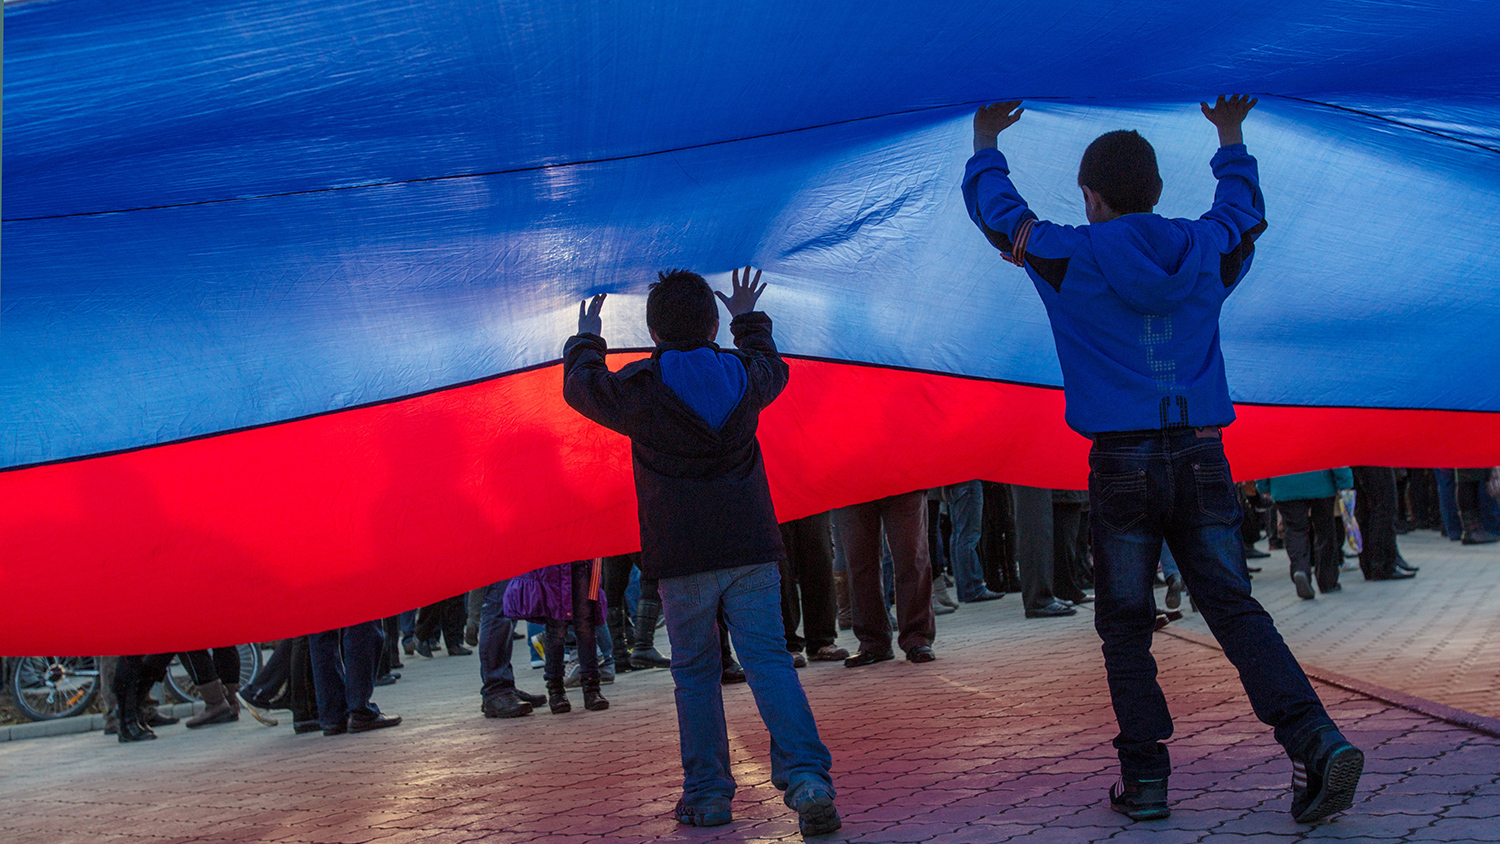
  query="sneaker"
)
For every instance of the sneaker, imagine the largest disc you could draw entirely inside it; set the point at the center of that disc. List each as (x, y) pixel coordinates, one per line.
(816, 814)
(829, 653)
(714, 816)
(538, 651)
(573, 676)
(798, 660)
(1324, 777)
(1174, 592)
(1140, 800)
(471, 634)
(732, 673)
(409, 646)
(1303, 584)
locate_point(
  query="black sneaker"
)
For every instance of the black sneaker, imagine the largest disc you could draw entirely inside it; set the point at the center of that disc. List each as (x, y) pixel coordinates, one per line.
(716, 816)
(1324, 777)
(1174, 592)
(1304, 585)
(1140, 800)
(816, 814)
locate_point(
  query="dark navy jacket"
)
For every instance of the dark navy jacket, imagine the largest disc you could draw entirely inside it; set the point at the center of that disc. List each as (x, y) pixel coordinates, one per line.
(1134, 302)
(704, 502)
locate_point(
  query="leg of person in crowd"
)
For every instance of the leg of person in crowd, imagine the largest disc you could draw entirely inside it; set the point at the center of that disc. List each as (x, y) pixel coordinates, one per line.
(1448, 505)
(587, 586)
(1177, 487)
(943, 602)
(813, 539)
(428, 627)
(905, 520)
(1327, 556)
(749, 599)
(845, 611)
(616, 581)
(1297, 527)
(498, 693)
(859, 533)
(1468, 492)
(390, 660)
(966, 509)
(455, 614)
(474, 605)
(1032, 543)
(203, 668)
(343, 664)
(126, 687)
(409, 632)
(153, 671)
(1375, 510)
(1067, 519)
(1172, 574)
(731, 672)
(301, 689)
(552, 668)
(791, 603)
(267, 686)
(648, 612)
(107, 666)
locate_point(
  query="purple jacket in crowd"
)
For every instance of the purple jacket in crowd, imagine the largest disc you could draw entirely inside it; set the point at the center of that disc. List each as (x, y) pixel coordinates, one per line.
(546, 593)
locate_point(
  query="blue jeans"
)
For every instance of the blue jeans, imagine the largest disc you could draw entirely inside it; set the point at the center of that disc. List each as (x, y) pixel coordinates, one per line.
(751, 599)
(1175, 486)
(1169, 567)
(344, 681)
(966, 509)
(496, 644)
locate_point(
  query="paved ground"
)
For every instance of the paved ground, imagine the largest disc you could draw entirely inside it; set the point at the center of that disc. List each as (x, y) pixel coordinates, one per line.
(1005, 738)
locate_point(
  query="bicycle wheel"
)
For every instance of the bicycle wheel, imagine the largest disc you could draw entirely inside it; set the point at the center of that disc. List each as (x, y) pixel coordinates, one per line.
(180, 683)
(48, 687)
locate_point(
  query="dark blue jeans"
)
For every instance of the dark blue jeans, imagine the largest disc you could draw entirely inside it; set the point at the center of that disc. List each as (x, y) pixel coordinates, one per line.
(1175, 486)
(496, 644)
(344, 661)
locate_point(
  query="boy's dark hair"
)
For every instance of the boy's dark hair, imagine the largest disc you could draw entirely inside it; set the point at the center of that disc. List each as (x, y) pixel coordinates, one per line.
(681, 306)
(1121, 167)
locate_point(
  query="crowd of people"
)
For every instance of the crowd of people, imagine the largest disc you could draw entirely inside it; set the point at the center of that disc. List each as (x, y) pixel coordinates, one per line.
(745, 599)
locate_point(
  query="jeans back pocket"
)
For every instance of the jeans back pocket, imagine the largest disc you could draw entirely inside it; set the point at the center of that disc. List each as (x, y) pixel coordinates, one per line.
(1119, 500)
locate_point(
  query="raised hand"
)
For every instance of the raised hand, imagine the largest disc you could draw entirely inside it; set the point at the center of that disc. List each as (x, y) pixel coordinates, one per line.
(743, 293)
(1227, 115)
(991, 120)
(589, 321)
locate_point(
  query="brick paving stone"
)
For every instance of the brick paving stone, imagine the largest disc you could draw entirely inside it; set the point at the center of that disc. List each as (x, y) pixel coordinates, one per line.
(1006, 737)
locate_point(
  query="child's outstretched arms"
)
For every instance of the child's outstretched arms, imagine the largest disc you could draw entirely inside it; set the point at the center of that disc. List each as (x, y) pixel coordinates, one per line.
(588, 385)
(1227, 115)
(991, 120)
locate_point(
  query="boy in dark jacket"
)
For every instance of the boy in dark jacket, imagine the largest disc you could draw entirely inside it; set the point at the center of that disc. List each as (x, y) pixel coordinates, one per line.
(708, 529)
(1134, 302)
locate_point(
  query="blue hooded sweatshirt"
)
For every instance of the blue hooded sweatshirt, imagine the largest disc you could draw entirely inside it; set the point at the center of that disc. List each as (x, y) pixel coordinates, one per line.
(1134, 302)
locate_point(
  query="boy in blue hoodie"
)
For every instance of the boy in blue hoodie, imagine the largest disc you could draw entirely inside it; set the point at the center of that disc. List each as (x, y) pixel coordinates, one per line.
(708, 528)
(1134, 302)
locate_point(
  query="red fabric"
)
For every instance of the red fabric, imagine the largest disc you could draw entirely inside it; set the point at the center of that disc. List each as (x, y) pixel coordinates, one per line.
(323, 522)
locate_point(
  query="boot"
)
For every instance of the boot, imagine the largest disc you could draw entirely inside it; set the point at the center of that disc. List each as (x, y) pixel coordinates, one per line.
(557, 699)
(615, 618)
(217, 711)
(942, 601)
(130, 727)
(1474, 534)
(232, 696)
(593, 699)
(841, 594)
(645, 654)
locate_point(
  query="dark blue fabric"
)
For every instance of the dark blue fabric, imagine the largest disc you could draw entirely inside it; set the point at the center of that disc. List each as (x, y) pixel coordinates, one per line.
(1135, 309)
(709, 382)
(228, 213)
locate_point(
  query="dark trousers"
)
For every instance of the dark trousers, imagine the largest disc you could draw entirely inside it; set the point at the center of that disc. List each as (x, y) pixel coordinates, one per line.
(205, 666)
(1032, 543)
(905, 520)
(1311, 540)
(344, 661)
(1067, 572)
(585, 606)
(300, 686)
(1375, 510)
(617, 580)
(807, 583)
(273, 675)
(448, 614)
(1175, 486)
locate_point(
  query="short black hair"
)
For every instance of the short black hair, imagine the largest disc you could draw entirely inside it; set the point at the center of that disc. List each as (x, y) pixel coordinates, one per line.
(681, 306)
(1120, 166)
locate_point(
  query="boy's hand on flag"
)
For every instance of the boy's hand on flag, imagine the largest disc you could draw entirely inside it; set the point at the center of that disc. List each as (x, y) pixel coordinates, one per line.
(589, 321)
(1227, 115)
(744, 293)
(991, 120)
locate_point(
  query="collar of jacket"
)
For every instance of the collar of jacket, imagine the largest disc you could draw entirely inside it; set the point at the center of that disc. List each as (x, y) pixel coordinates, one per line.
(682, 346)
